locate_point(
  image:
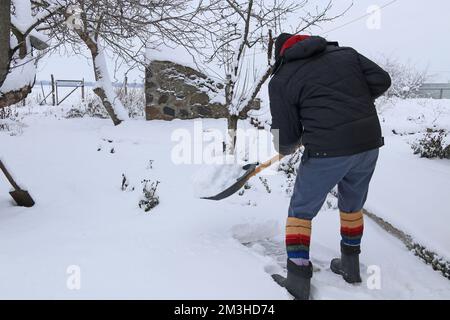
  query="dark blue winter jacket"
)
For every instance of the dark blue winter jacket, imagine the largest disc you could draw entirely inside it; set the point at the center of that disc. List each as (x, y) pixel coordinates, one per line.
(322, 96)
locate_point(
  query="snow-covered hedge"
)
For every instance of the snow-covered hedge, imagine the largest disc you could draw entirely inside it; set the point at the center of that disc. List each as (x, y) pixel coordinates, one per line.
(433, 145)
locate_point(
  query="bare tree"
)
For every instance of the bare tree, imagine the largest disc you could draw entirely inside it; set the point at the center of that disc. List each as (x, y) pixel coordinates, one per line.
(406, 78)
(124, 28)
(243, 36)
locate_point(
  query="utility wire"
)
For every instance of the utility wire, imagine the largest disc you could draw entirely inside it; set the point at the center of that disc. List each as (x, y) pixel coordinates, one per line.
(359, 18)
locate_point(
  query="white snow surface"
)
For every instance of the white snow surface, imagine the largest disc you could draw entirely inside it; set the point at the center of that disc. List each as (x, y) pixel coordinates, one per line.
(408, 191)
(414, 116)
(187, 248)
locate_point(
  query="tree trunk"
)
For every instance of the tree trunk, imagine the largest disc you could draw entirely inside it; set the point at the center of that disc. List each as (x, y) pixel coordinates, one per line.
(100, 89)
(13, 97)
(104, 86)
(232, 118)
(100, 92)
(232, 130)
(5, 25)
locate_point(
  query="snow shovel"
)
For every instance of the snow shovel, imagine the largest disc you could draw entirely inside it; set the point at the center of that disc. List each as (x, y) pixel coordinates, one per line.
(21, 197)
(251, 170)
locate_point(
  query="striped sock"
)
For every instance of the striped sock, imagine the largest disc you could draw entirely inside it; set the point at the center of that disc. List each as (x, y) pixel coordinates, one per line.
(352, 227)
(298, 235)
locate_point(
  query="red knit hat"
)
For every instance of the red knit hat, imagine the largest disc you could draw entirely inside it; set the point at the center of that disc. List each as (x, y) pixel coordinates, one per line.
(291, 41)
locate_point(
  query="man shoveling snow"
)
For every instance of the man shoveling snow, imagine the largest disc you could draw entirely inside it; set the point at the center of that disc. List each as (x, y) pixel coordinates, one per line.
(322, 96)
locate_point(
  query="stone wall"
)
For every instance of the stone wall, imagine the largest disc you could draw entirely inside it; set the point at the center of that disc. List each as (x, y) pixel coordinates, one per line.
(173, 91)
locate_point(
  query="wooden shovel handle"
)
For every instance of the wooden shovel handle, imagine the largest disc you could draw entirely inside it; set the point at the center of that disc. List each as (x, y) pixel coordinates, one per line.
(9, 176)
(266, 164)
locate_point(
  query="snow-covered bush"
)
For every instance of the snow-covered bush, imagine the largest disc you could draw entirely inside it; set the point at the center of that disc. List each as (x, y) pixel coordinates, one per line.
(290, 164)
(150, 199)
(126, 186)
(133, 100)
(94, 108)
(150, 164)
(10, 121)
(74, 113)
(406, 79)
(91, 106)
(289, 167)
(432, 145)
(8, 113)
(266, 185)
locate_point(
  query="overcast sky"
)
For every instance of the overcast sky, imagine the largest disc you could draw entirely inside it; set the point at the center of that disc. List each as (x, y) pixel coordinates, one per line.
(412, 31)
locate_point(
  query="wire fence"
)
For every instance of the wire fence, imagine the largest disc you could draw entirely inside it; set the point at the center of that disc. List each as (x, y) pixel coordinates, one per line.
(56, 91)
(435, 90)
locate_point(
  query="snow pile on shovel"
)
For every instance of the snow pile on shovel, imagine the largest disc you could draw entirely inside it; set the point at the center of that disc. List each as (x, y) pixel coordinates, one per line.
(211, 179)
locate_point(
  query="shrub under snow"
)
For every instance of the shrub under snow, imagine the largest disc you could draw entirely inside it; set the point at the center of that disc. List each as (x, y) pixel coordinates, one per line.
(432, 145)
(133, 101)
(149, 199)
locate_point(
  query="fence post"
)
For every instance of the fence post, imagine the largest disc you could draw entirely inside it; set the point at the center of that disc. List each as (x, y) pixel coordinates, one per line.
(82, 90)
(43, 94)
(57, 95)
(125, 83)
(53, 91)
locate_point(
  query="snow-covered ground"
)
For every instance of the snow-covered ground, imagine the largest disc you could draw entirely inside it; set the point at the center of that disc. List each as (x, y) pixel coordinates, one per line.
(187, 248)
(408, 191)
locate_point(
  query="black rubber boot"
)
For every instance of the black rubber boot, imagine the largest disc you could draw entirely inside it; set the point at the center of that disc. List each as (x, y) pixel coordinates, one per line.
(348, 265)
(298, 281)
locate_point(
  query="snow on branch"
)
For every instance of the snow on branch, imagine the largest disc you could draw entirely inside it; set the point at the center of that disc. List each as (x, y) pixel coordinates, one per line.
(25, 17)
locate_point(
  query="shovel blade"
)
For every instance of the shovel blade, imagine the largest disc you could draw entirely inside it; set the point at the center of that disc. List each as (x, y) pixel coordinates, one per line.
(227, 192)
(22, 198)
(240, 182)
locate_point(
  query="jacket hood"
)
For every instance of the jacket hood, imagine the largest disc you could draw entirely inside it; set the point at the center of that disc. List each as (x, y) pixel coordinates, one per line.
(306, 48)
(279, 43)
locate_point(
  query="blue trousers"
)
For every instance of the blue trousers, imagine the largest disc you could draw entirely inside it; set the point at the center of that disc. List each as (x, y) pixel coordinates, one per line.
(318, 176)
